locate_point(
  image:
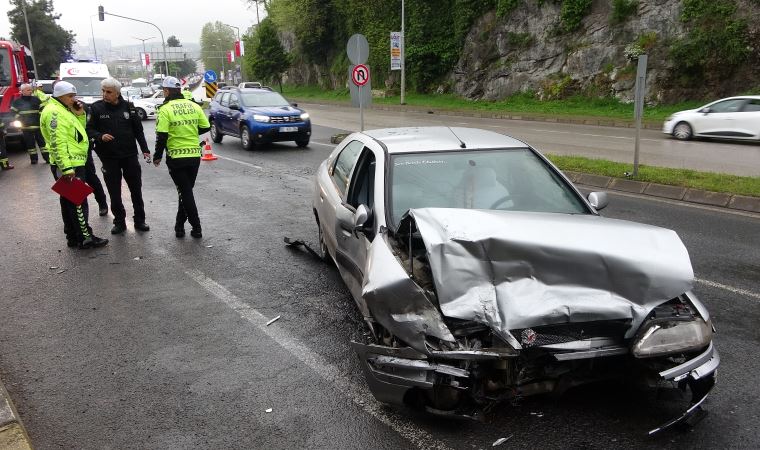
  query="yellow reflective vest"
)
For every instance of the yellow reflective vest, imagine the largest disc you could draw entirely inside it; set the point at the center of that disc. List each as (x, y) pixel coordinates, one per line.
(42, 96)
(180, 119)
(65, 135)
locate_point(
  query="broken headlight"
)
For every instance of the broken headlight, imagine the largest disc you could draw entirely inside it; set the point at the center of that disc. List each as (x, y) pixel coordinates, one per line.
(665, 337)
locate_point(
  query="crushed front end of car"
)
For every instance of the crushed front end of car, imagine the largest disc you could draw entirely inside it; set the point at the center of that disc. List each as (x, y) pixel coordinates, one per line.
(470, 308)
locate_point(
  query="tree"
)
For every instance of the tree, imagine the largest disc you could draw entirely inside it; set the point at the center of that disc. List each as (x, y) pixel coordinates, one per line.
(172, 41)
(216, 39)
(178, 68)
(268, 59)
(52, 44)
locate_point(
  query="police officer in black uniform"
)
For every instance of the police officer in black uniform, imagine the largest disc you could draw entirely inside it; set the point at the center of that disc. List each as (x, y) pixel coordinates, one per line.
(116, 129)
(27, 109)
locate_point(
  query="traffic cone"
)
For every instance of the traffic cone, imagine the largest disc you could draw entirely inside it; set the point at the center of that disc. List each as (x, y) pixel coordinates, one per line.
(208, 155)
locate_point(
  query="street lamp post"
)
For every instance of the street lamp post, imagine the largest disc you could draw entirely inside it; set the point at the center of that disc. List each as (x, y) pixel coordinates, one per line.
(242, 78)
(147, 68)
(102, 12)
(92, 33)
(29, 38)
(403, 54)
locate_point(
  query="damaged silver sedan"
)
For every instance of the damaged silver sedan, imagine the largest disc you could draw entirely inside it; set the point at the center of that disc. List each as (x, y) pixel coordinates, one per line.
(484, 275)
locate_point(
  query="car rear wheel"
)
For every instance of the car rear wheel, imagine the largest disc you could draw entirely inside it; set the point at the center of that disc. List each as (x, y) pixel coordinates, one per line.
(302, 143)
(216, 136)
(246, 139)
(682, 131)
(141, 113)
(321, 246)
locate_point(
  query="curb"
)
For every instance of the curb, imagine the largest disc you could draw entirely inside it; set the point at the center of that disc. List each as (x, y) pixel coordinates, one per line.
(708, 198)
(684, 194)
(575, 120)
(12, 432)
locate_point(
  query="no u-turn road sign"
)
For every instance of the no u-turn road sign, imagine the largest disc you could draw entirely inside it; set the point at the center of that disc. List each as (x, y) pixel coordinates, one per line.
(360, 75)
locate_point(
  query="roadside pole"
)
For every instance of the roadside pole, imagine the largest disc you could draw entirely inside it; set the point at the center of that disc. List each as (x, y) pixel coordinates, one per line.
(638, 110)
(359, 83)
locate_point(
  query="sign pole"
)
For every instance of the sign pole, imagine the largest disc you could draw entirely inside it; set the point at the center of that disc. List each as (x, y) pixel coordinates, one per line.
(403, 55)
(641, 75)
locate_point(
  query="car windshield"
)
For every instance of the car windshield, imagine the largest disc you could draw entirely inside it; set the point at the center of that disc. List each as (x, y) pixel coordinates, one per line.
(265, 98)
(508, 179)
(86, 86)
(5, 67)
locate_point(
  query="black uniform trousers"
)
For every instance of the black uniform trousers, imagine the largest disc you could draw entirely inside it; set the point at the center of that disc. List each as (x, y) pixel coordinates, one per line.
(129, 168)
(74, 217)
(33, 139)
(91, 178)
(184, 172)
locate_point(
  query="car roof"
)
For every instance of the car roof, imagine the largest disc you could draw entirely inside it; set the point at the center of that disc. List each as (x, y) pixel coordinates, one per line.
(436, 139)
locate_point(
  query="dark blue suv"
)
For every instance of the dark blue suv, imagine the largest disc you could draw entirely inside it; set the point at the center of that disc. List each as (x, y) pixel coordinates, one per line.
(257, 116)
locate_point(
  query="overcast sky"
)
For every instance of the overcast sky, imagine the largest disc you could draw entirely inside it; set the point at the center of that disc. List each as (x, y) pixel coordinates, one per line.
(182, 18)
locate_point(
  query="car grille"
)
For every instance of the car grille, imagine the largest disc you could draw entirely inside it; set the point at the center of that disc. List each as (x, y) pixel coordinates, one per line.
(558, 334)
(284, 119)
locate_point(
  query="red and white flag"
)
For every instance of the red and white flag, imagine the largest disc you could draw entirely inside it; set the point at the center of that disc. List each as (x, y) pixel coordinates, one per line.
(230, 56)
(145, 59)
(239, 48)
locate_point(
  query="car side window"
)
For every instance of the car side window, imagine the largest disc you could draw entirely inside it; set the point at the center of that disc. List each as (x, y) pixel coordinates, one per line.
(234, 100)
(217, 97)
(361, 190)
(225, 101)
(753, 105)
(728, 106)
(344, 163)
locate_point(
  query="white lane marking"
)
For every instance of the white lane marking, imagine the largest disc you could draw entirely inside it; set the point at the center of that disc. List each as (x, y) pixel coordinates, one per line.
(593, 135)
(364, 400)
(728, 288)
(239, 162)
(319, 143)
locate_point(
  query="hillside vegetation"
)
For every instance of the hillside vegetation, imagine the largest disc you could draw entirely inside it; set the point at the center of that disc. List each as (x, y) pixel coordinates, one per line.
(551, 49)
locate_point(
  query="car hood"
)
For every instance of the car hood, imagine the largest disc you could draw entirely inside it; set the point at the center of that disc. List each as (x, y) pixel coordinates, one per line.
(687, 111)
(514, 270)
(274, 110)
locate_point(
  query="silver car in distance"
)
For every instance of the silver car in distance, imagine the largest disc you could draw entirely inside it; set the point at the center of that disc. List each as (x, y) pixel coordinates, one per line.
(484, 275)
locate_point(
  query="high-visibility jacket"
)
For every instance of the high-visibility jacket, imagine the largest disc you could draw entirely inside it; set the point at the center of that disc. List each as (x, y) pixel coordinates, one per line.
(188, 95)
(65, 135)
(27, 109)
(181, 119)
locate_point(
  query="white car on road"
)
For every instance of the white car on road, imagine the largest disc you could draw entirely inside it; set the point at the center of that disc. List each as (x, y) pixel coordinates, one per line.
(729, 118)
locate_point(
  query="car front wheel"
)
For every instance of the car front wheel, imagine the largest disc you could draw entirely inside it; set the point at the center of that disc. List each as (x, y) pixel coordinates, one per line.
(246, 139)
(682, 131)
(216, 136)
(141, 113)
(302, 143)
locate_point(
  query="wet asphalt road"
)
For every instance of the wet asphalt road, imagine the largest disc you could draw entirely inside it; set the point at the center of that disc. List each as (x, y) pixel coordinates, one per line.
(155, 342)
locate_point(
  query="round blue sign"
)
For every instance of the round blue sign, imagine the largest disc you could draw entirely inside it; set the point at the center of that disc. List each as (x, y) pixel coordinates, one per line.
(209, 76)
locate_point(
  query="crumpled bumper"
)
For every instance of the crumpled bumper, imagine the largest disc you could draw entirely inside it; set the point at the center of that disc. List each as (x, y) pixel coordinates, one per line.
(391, 373)
(700, 374)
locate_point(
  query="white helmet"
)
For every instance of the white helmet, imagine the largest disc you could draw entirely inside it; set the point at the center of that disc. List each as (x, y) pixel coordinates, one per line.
(171, 82)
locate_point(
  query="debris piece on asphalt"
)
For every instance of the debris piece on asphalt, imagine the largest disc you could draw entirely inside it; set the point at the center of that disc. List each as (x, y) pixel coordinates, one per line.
(61, 271)
(300, 243)
(137, 258)
(501, 440)
(273, 320)
(53, 267)
(209, 246)
(268, 410)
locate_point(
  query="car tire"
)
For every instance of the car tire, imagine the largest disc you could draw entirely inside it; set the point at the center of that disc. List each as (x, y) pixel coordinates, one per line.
(302, 143)
(682, 131)
(141, 113)
(246, 139)
(216, 136)
(321, 246)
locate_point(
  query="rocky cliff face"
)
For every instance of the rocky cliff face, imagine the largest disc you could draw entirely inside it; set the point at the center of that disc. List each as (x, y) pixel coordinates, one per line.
(523, 52)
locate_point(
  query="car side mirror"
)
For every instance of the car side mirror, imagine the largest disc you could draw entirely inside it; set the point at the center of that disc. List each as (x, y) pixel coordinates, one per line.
(294, 105)
(706, 110)
(361, 218)
(235, 106)
(598, 200)
(30, 74)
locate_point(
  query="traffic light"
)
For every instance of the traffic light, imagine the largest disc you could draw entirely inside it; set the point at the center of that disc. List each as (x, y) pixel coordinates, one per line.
(101, 14)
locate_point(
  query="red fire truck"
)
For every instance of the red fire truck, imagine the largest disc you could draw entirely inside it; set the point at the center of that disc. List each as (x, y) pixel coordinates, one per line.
(15, 61)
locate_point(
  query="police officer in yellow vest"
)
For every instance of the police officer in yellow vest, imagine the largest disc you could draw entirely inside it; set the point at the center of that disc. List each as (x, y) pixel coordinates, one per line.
(63, 125)
(27, 109)
(179, 124)
(41, 95)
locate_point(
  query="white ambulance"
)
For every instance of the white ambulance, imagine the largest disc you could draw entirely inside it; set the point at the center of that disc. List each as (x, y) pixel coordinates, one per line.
(86, 76)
